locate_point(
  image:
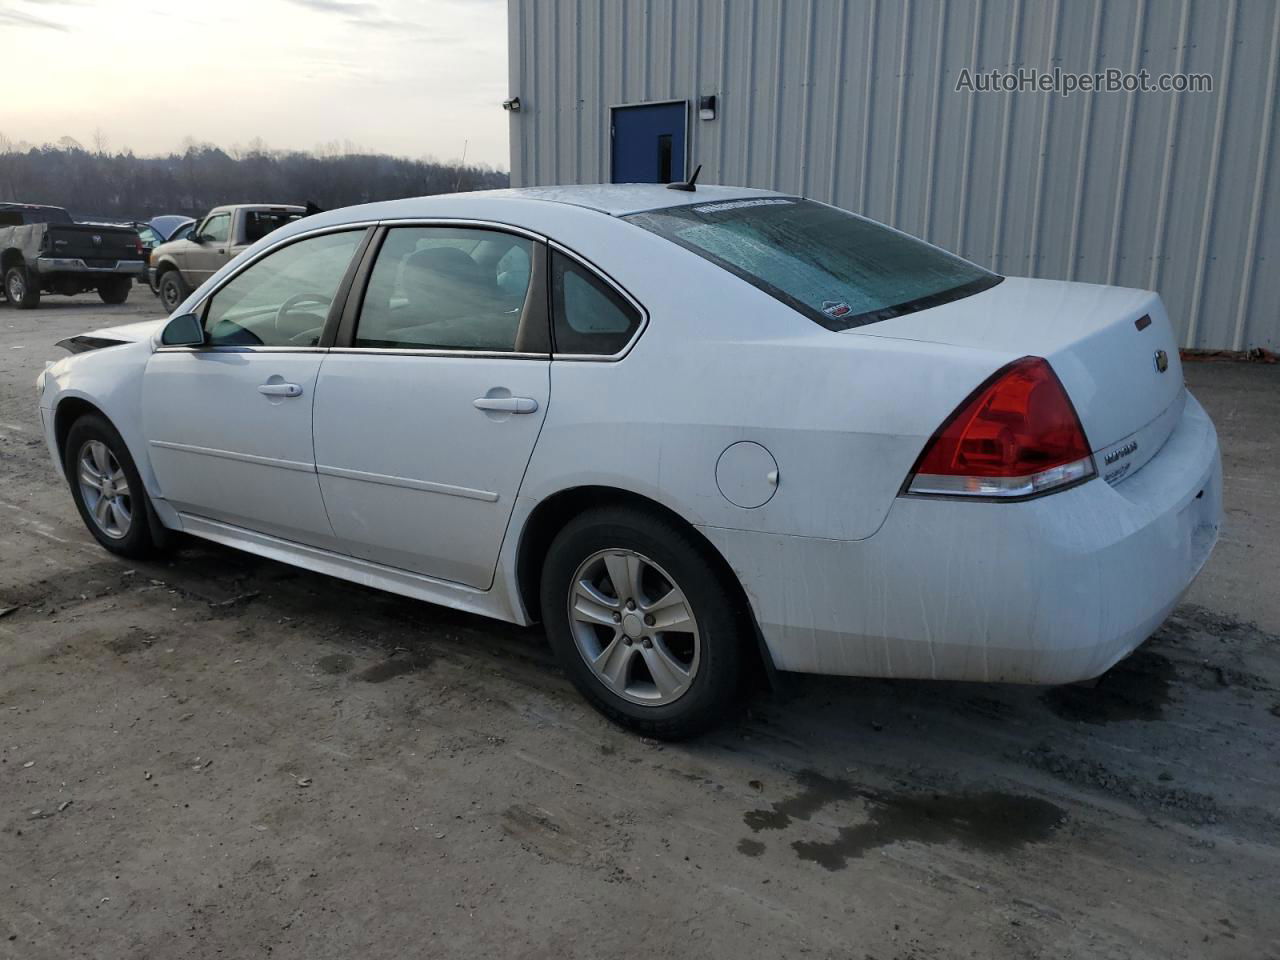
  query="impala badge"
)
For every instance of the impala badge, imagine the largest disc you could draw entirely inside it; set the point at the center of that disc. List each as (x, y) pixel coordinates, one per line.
(1162, 361)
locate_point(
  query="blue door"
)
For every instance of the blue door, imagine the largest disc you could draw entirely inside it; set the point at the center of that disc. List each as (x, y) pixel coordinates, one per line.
(648, 143)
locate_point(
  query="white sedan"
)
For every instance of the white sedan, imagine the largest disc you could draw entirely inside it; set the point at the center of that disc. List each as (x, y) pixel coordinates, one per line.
(693, 433)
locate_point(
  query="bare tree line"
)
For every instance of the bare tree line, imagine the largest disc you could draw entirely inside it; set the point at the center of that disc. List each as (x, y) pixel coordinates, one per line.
(95, 183)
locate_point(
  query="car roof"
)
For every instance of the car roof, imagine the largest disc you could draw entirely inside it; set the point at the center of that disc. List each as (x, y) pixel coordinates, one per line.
(555, 211)
(621, 199)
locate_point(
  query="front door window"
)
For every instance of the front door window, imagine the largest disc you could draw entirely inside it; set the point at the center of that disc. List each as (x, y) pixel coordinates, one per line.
(283, 299)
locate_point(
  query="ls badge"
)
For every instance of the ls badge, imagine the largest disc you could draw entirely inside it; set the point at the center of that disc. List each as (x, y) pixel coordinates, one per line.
(1162, 361)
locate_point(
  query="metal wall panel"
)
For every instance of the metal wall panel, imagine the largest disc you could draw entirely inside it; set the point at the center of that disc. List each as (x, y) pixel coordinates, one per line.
(855, 103)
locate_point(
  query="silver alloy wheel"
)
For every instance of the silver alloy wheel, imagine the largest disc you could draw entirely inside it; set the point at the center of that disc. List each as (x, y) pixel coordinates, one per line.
(17, 288)
(105, 489)
(633, 625)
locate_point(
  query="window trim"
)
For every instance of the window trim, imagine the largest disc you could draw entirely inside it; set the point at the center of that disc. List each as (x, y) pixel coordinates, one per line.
(339, 299)
(344, 340)
(340, 326)
(606, 279)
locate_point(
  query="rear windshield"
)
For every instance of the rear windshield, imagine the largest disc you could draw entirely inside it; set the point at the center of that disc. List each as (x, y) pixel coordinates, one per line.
(836, 268)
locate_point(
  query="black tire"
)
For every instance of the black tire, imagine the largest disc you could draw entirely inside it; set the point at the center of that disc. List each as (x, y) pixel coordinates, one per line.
(115, 290)
(171, 289)
(19, 287)
(145, 536)
(723, 632)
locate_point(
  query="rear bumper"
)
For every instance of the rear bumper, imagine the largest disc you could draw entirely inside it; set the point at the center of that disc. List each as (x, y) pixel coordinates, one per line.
(1050, 590)
(46, 265)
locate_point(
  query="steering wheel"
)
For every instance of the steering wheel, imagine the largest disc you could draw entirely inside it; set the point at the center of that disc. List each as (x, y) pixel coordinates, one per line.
(287, 307)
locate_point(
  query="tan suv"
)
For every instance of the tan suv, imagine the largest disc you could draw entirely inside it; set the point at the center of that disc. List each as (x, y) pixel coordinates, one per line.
(179, 266)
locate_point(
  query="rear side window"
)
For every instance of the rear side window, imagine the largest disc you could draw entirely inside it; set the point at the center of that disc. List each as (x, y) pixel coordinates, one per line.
(589, 316)
(836, 268)
(446, 288)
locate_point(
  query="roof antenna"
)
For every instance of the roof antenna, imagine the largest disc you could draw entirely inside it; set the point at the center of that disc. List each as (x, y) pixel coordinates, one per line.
(689, 185)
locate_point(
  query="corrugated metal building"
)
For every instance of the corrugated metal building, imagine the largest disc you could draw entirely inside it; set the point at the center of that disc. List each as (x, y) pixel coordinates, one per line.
(856, 103)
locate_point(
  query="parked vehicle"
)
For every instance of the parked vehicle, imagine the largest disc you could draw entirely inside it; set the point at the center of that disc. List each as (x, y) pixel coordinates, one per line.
(42, 250)
(686, 431)
(156, 231)
(182, 264)
(166, 225)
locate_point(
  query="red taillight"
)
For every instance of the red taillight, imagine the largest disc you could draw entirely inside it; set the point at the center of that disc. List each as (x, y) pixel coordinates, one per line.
(137, 245)
(1017, 435)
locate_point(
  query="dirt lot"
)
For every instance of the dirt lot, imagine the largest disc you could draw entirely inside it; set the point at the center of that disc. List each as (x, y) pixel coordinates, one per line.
(222, 756)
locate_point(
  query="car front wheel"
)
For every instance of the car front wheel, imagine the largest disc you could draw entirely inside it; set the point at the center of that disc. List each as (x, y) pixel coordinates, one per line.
(643, 623)
(107, 488)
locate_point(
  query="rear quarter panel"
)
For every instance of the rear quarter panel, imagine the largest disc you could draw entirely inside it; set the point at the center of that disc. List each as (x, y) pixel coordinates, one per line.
(720, 362)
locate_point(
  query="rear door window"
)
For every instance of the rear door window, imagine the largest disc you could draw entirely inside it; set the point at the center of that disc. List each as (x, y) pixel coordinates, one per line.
(836, 268)
(447, 288)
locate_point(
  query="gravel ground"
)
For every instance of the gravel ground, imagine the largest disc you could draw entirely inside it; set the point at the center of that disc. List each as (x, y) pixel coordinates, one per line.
(222, 756)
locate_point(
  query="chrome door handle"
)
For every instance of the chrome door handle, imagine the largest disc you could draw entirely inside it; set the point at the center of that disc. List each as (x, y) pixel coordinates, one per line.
(280, 389)
(506, 404)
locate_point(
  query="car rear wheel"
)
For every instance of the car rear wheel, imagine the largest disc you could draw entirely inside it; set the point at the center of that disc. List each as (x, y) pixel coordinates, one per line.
(643, 624)
(173, 290)
(22, 293)
(107, 488)
(115, 290)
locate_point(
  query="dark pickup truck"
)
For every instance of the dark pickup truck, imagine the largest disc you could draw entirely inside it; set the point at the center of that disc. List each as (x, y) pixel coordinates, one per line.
(42, 250)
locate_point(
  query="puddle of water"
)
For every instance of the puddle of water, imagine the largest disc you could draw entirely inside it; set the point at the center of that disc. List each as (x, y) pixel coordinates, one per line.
(392, 668)
(1136, 688)
(991, 822)
(335, 663)
(816, 792)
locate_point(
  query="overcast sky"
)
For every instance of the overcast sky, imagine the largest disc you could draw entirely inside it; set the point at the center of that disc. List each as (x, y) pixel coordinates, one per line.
(407, 77)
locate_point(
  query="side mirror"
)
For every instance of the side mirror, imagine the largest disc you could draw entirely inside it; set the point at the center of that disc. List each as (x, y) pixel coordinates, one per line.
(185, 330)
(195, 237)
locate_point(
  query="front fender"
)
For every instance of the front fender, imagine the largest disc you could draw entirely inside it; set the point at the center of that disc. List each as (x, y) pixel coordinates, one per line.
(110, 380)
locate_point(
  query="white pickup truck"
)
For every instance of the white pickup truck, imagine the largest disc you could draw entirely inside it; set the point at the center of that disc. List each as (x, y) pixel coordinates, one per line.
(179, 266)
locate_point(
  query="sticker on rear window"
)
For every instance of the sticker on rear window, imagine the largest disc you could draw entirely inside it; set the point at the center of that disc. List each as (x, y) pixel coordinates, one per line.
(835, 309)
(741, 204)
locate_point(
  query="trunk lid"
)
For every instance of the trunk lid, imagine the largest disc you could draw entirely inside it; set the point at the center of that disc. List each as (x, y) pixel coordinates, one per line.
(97, 245)
(1106, 354)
